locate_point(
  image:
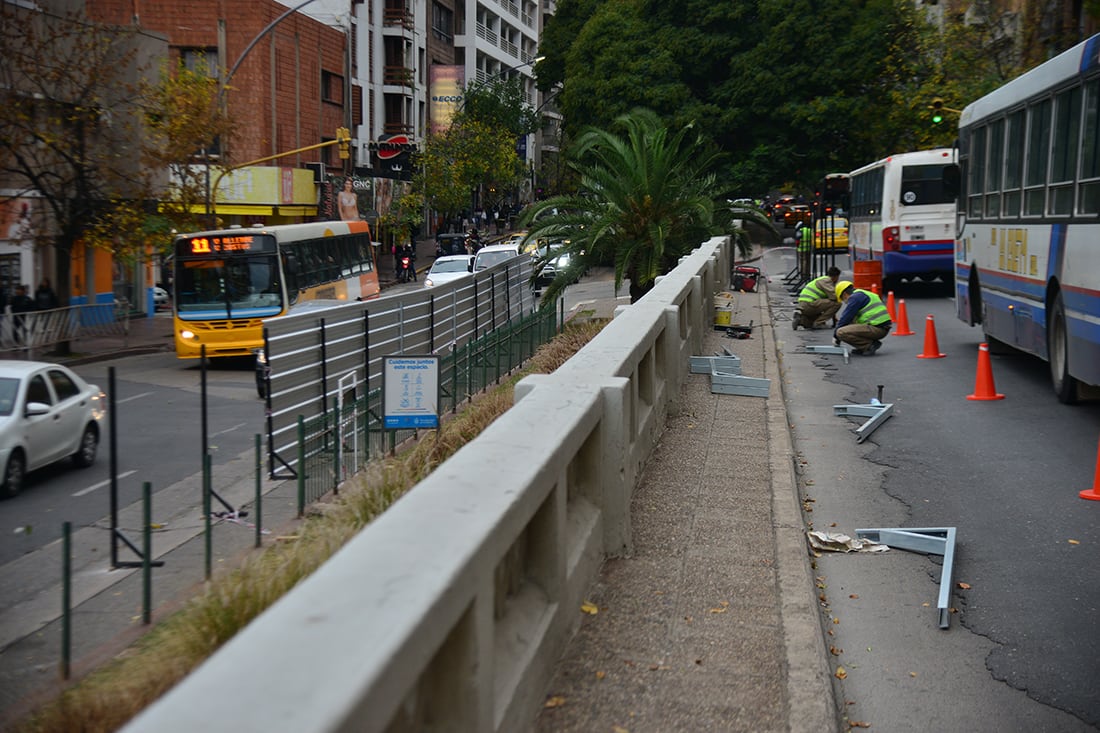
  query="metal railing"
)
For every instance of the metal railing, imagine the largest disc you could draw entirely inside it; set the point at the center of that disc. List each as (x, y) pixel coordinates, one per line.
(21, 334)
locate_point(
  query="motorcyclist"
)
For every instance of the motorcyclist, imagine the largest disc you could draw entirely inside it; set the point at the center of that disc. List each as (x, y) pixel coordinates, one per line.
(409, 268)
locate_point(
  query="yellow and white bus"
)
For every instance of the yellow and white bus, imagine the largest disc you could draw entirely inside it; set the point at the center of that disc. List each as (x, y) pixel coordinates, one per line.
(227, 282)
(1027, 264)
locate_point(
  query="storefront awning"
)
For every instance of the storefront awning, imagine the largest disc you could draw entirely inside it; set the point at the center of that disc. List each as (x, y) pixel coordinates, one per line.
(297, 211)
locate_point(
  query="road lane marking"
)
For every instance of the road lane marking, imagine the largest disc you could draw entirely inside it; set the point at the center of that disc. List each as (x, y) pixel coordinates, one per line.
(101, 484)
(135, 397)
(229, 430)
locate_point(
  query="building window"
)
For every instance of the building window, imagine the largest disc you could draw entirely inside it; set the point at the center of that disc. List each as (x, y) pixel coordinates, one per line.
(332, 87)
(201, 60)
(443, 22)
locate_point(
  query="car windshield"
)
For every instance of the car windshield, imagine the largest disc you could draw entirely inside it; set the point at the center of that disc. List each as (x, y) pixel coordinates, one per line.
(450, 266)
(488, 259)
(9, 388)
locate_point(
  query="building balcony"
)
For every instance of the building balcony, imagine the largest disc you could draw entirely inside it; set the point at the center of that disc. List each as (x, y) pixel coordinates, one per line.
(397, 128)
(398, 18)
(397, 76)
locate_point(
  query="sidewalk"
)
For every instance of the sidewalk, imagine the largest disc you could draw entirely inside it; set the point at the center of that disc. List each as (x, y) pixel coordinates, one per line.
(711, 624)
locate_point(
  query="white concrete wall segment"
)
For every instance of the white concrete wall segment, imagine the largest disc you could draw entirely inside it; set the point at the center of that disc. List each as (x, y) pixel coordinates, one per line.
(356, 643)
(452, 608)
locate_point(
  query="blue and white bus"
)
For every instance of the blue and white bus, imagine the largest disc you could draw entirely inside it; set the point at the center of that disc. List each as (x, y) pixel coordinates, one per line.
(901, 215)
(1027, 257)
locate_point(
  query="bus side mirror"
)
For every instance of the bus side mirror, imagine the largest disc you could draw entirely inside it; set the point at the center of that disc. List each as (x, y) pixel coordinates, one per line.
(951, 179)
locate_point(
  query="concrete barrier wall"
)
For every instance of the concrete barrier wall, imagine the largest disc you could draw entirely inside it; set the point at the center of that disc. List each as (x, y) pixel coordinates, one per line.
(450, 610)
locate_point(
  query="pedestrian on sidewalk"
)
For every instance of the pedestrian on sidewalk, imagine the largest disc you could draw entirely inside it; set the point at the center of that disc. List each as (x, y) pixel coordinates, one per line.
(21, 305)
(44, 297)
(804, 236)
(864, 322)
(817, 302)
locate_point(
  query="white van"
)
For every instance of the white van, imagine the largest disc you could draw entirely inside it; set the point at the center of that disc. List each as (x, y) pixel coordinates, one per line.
(494, 254)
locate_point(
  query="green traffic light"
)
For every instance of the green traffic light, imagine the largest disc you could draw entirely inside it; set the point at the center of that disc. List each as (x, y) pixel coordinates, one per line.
(937, 119)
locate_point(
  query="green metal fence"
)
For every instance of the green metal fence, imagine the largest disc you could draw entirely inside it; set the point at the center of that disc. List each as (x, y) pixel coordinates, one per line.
(338, 443)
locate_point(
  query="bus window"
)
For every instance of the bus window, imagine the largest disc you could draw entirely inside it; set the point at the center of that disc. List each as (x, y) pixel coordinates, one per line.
(923, 184)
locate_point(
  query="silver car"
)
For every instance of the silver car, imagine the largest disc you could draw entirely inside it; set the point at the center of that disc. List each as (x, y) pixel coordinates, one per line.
(47, 413)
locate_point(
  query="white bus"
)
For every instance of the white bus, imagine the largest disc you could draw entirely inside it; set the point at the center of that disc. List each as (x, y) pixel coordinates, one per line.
(901, 215)
(1027, 259)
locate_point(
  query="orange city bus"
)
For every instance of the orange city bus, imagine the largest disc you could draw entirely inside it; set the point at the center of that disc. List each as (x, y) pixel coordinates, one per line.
(227, 282)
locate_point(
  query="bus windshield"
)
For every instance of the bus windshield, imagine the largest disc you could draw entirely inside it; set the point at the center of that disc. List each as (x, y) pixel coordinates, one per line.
(922, 185)
(229, 287)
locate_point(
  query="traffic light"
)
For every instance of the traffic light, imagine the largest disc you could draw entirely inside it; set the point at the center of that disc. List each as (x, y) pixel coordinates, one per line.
(343, 141)
(937, 110)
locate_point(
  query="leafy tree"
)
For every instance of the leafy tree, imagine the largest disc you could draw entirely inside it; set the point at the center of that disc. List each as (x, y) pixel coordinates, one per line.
(478, 150)
(644, 200)
(68, 120)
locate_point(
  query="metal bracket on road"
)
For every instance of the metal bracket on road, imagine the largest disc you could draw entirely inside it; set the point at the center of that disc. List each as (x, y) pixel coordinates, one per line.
(877, 413)
(927, 541)
(830, 350)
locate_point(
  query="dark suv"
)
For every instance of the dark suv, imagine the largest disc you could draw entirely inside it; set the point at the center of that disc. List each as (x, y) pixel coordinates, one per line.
(450, 244)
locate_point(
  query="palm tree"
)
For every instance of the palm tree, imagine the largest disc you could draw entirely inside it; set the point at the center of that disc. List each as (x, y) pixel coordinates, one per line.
(643, 201)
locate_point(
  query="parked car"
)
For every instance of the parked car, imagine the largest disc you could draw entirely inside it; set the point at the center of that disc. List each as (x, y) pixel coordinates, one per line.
(47, 413)
(797, 213)
(448, 269)
(160, 297)
(493, 254)
(836, 235)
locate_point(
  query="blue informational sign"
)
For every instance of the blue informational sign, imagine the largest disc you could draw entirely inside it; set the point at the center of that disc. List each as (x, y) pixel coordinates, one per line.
(410, 392)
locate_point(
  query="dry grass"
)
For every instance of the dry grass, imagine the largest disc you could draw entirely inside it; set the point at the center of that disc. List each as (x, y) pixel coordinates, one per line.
(109, 697)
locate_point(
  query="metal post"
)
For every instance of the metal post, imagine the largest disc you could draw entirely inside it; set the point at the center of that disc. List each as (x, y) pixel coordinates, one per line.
(259, 494)
(207, 528)
(147, 553)
(301, 466)
(112, 425)
(66, 598)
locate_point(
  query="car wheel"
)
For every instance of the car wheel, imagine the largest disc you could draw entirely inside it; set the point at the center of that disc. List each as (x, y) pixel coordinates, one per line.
(89, 443)
(14, 473)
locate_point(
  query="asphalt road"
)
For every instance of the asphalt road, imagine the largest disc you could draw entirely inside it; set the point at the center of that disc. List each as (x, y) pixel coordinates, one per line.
(159, 429)
(1022, 652)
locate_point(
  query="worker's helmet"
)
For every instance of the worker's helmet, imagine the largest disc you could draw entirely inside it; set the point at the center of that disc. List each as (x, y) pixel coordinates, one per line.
(842, 287)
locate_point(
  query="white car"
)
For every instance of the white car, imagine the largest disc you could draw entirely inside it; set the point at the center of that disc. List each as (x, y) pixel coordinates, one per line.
(494, 254)
(448, 269)
(47, 413)
(160, 297)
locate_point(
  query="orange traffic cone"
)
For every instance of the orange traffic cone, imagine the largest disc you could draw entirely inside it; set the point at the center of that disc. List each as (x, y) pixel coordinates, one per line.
(890, 306)
(903, 320)
(931, 344)
(983, 383)
(1094, 492)
(874, 288)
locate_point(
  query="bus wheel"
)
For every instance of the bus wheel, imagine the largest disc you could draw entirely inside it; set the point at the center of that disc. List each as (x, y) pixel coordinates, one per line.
(1065, 386)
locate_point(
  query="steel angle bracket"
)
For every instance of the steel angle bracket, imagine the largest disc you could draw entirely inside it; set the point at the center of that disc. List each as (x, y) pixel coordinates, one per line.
(728, 364)
(830, 350)
(876, 412)
(721, 383)
(927, 541)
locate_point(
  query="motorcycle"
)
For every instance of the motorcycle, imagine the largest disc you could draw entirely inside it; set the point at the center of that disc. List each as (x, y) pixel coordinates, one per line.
(407, 270)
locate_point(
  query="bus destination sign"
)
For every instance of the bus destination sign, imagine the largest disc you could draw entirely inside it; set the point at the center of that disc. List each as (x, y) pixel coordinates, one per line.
(228, 243)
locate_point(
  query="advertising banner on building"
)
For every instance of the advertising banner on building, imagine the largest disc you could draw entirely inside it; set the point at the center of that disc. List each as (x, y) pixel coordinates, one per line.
(447, 85)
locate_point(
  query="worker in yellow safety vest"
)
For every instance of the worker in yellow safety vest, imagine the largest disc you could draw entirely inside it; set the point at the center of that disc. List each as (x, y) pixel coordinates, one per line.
(864, 322)
(817, 302)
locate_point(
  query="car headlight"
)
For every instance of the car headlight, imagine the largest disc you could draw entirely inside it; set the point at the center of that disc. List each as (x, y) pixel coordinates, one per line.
(428, 282)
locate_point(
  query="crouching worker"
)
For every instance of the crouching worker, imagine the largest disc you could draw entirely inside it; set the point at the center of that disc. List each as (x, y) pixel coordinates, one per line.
(864, 322)
(817, 302)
